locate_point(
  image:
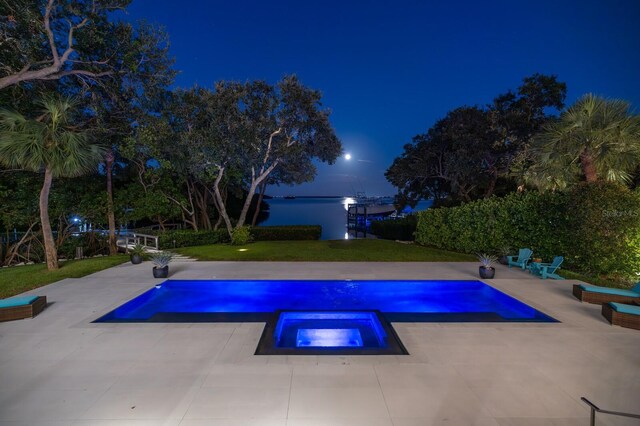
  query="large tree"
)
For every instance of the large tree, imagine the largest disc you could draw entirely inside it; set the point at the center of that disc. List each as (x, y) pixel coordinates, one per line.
(80, 48)
(453, 157)
(278, 124)
(476, 152)
(50, 143)
(47, 40)
(595, 139)
(236, 138)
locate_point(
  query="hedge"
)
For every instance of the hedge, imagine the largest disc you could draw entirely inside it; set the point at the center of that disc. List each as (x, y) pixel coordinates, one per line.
(92, 244)
(186, 238)
(596, 227)
(284, 233)
(402, 229)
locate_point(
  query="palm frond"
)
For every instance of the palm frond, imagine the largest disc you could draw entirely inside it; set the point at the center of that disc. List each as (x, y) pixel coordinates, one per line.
(30, 144)
(603, 128)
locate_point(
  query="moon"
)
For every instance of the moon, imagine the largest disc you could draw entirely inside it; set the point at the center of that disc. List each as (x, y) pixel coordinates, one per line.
(347, 156)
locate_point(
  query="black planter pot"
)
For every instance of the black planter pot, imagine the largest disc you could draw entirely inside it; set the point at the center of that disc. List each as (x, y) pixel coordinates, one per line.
(503, 260)
(136, 259)
(161, 272)
(487, 273)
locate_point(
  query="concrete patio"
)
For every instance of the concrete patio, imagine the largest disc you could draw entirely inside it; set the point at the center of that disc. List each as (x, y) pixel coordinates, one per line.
(60, 369)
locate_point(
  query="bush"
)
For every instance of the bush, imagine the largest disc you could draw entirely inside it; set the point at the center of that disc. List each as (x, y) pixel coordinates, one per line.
(240, 236)
(186, 238)
(605, 222)
(92, 244)
(596, 227)
(286, 233)
(402, 229)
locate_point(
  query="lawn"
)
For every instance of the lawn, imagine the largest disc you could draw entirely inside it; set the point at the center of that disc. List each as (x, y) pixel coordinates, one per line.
(18, 279)
(325, 251)
(570, 275)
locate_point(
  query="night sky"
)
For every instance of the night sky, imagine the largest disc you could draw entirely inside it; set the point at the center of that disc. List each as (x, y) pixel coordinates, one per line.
(388, 70)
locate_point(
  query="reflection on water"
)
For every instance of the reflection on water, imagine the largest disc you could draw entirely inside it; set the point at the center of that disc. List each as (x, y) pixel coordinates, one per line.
(330, 213)
(346, 201)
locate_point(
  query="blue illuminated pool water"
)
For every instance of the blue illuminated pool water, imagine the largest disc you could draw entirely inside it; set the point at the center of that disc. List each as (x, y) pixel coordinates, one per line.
(231, 300)
(329, 329)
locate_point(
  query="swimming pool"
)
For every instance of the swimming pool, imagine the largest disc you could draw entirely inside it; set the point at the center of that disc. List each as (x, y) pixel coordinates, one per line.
(258, 300)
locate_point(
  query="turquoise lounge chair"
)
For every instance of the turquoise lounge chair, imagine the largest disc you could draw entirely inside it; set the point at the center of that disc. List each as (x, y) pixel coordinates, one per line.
(547, 270)
(602, 295)
(524, 255)
(21, 307)
(622, 314)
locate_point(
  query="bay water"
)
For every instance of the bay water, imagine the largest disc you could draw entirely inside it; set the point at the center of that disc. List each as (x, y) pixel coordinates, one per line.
(328, 212)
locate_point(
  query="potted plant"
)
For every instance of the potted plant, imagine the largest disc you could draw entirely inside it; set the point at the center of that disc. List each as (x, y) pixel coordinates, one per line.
(504, 252)
(486, 270)
(161, 261)
(136, 253)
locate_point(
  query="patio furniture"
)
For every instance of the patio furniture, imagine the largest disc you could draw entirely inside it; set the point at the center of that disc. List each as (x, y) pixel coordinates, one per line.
(622, 314)
(524, 254)
(599, 295)
(21, 307)
(547, 270)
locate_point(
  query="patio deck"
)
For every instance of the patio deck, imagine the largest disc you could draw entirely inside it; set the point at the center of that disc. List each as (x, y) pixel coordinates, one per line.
(60, 369)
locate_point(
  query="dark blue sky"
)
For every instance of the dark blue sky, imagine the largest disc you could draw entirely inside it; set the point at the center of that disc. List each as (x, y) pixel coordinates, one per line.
(388, 70)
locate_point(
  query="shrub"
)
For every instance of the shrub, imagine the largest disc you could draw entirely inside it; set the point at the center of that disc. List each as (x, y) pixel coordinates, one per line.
(605, 223)
(92, 244)
(240, 236)
(594, 226)
(186, 238)
(402, 229)
(285, 233)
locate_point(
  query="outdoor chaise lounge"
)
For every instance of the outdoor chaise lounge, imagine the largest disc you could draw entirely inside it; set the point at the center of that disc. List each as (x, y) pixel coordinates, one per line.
(599, 295)
(622, 314)
(547, 270)
(524, 254)
(21, 307)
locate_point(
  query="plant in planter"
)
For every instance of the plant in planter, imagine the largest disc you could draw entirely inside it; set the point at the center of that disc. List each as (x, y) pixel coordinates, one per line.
(486, 270)
(161, 261)
(136, 253)
(504, 252)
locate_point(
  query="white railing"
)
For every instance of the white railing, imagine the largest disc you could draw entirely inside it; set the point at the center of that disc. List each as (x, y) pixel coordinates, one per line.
(148, 241)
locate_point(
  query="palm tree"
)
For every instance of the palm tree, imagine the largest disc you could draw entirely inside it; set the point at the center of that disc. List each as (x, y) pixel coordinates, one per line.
(51, 144)
(595, 139)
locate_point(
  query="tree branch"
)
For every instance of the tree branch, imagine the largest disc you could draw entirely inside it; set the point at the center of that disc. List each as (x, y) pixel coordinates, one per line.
(47, 28)
(268, 152)
(83, 73)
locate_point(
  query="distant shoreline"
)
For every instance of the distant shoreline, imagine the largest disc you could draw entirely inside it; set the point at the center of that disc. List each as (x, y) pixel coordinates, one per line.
(318, 196)
(305, 196)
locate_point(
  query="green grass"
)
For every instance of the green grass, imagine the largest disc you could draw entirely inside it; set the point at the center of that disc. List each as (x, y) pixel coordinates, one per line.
(325, 251)
(594, 280)
(18, 279)
(349, 251)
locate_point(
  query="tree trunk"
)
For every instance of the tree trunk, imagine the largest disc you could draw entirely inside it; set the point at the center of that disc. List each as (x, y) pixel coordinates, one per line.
(252, 190)
(588, 166)
(50, 250)
(202, 203)
(247, 203)
(109, 159)
(492, 183)
(263, 187)
(222, 210)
